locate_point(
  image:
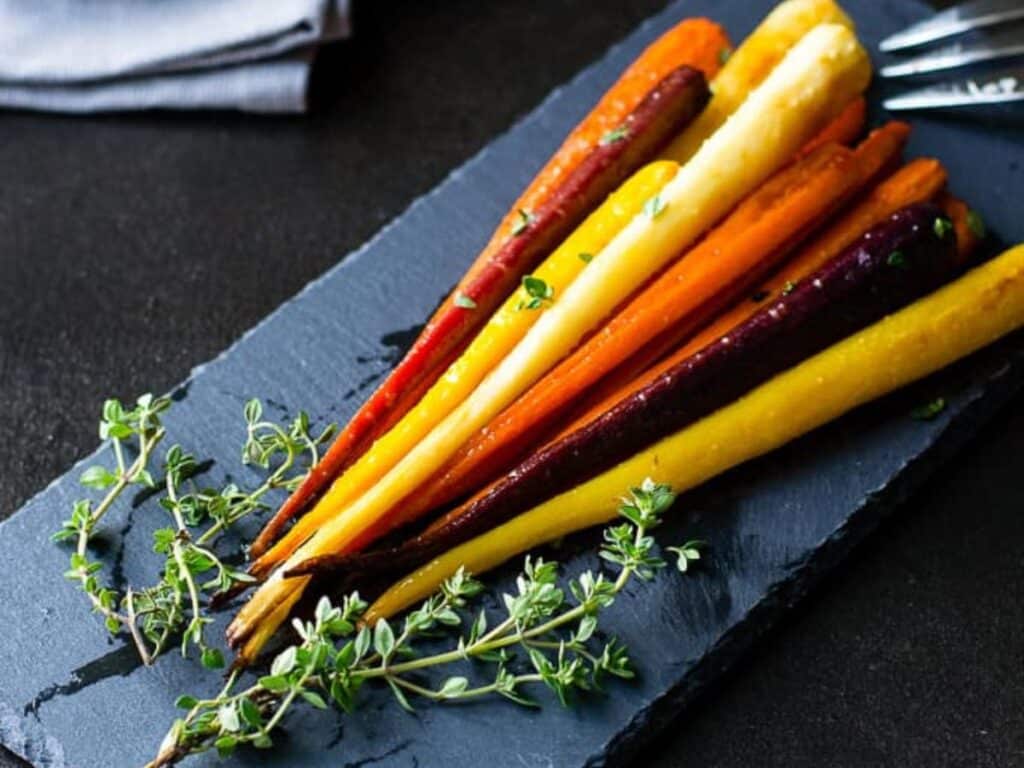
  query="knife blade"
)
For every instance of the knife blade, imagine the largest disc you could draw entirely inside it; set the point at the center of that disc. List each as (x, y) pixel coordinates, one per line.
(997, 88)
(962, 18)
(1000, 44)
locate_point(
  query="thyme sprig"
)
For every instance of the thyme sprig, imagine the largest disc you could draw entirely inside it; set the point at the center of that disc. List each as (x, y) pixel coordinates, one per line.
(553, 630)
(539, 293)
(139, 426)
(192, 572)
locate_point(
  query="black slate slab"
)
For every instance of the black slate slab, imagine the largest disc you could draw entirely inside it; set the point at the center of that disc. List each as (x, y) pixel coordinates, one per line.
(775, 526)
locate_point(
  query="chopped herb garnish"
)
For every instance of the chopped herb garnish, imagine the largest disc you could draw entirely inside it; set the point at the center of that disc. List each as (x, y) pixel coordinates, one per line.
(523, 223)
(586, 258)
(464, 301)
(540, 293)
(897, 259)
(788, 288)
(942, 227)
(976, 224)
(615, 135)
(760, 296)
(929, 410)
(654, 207)
(724, 54)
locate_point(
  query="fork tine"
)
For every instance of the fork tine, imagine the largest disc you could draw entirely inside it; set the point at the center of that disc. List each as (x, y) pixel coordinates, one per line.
(997, 88)
(1001, 44)
(962, 18)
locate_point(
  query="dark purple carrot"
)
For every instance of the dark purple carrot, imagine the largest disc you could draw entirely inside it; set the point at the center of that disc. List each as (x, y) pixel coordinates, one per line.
(901, 259)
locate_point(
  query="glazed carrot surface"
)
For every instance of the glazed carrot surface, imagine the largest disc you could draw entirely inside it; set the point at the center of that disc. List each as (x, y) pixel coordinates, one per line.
(919, 180)
(667, 107)
(502, 332)
(742, 249)
(930, 334)
(847, 294)
(698, 43)
(821, 74)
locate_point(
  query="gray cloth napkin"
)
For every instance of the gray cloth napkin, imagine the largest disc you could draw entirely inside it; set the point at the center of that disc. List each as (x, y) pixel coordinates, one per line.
(106, 55)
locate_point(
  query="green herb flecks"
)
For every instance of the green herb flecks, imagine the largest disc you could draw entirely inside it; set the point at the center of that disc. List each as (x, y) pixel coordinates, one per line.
(615, 135)
(897, 259)
(538, 293)
(586, 258)
(523, 222)
(464, 301)
(553, 630)
(929, 410)
(654, 207)
(788, 288)
(942, 227)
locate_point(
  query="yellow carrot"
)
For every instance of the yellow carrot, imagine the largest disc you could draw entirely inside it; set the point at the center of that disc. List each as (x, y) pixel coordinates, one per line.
(502, 332)
(930, 334)
(751, 63)
(819, 76)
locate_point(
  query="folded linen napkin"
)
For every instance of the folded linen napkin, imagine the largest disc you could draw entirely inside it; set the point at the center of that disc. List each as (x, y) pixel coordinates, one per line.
(103, 55)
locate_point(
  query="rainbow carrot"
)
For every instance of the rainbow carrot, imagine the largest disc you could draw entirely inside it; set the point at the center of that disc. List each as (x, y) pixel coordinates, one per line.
(848, 293)
(919, 180)
(820, 75)
(502, 332)
(752, 62)
(964, 316)
(670, 105)
(727, 263)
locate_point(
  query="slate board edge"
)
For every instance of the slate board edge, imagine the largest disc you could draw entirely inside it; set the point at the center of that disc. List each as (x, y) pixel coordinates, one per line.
(985, 401)
(42, 748)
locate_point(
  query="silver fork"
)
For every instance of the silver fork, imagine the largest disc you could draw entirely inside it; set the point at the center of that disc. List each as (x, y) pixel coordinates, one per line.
(1003, 38)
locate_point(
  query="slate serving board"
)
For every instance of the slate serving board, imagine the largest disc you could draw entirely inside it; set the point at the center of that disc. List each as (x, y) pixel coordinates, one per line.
(71, 697)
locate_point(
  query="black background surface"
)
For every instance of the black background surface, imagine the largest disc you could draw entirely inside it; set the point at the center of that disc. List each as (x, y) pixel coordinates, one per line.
(132, 248)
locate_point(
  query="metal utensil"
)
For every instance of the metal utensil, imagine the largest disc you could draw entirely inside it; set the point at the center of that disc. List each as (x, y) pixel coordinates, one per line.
(1003, 38)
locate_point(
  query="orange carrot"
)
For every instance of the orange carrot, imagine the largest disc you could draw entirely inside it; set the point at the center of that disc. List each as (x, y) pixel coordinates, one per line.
(697, 43)
(845, 129)
(967, 238)
(726, 263)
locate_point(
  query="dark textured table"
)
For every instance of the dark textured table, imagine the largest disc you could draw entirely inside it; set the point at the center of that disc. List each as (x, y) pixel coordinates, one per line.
(132, 248)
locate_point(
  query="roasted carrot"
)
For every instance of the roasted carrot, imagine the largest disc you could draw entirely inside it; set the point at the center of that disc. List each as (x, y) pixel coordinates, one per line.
(503, 331)
(845, 129)
(823, 71)
(848, 293)
(727, 263)
(698, 43)
(751, 63)
(878, 154)
(958, 319)
(919, 180)
(967, 236)
(671, 104)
